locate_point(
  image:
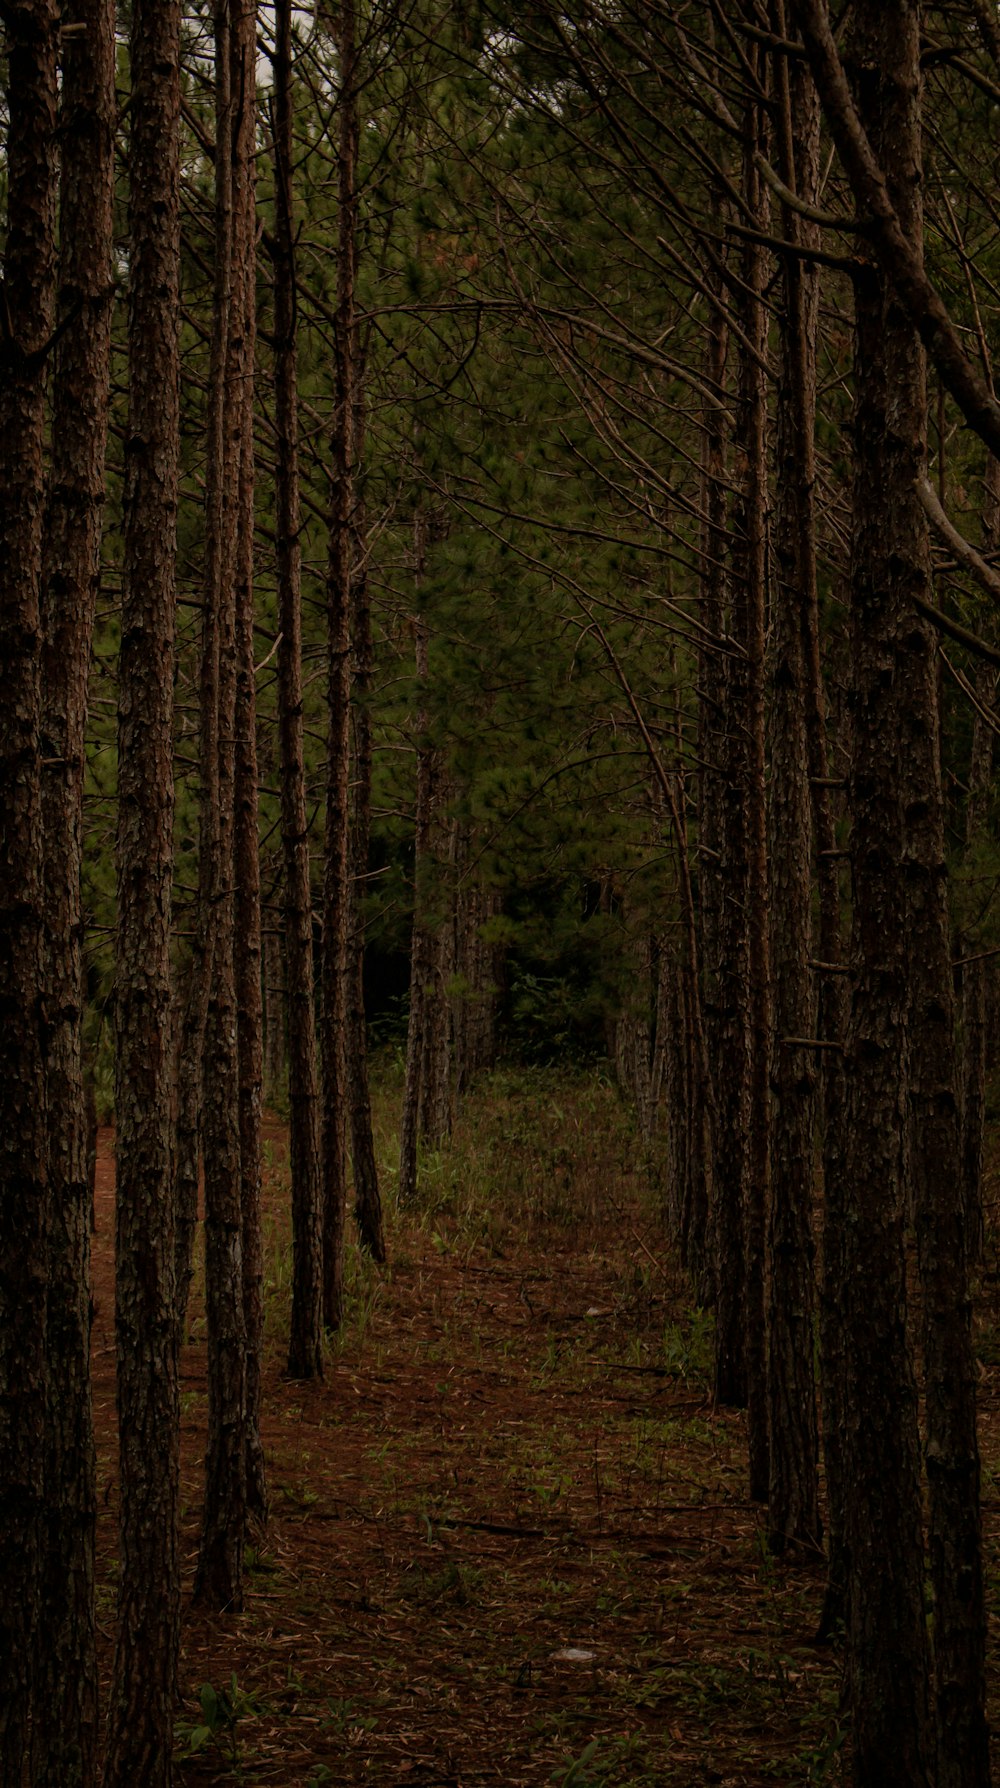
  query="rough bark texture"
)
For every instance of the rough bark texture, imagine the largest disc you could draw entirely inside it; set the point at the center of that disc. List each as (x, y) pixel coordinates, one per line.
(337, 877)
(725, 1294)
(951, 1442)
(477, 970)
(831, 1023)
(65, 1742)
(793, 1496)
(899, 253)
(975, 974)
(246, 857)
(722, 844)
(419, 942)
(194, 1016)
(218, 564)
(367, 1198)
(275, 1023)
(305, 1351)
(219, 1575)
(435, 1108)
(887, 1632)
(426, 1090)
(140, 1737)
(29, 282)
(742, 1163)
(631, 1039)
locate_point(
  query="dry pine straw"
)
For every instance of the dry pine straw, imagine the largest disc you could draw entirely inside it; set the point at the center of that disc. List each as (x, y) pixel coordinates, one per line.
(513, 1456)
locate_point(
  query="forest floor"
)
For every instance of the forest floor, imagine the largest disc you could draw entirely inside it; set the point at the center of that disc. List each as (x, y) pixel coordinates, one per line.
(509, 1537)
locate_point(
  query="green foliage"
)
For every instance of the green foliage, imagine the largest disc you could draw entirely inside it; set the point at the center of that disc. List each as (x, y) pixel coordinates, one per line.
(222, 1711)
(584, 1771)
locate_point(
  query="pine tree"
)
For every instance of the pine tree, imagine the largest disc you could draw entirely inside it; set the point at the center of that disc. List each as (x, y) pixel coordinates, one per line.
(305, 1355)
(29, 291)
(65, 1742)
(140, 1735)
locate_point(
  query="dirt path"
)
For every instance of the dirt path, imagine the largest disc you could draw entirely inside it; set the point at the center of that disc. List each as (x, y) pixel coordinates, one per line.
(506, 1527)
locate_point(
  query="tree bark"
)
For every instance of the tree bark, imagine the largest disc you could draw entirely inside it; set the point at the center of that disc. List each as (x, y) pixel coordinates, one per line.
(975, 975)
(793, 1496)
(886, 225)
(951, 1449)
(722, 843)
(219, 1573)
(367, 1198)
(744, 994)
(29, 289)
(419, 941)
(337, 877)
(305, 1352)
(887, 1632)
(246, 863)
(423, 1091)
(275, 1026)
(722, 1270)
(65, 1741)
(212, 879)
(476, 970)
(750, 628)
(140, 1738)
(434, 1110)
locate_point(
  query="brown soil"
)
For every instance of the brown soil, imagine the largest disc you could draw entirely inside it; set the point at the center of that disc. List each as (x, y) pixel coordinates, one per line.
(507, 1524)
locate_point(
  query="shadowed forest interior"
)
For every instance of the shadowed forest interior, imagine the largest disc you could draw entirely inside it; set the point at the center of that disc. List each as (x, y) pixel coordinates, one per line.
(499, 1004)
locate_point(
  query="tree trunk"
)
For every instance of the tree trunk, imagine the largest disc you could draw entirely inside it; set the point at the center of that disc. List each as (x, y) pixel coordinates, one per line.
(722, 1245)
(722, 848)
(793, 1496)
(750, 628)
(29, 276)
(140, 1738)
(887, 1632)
(246, 877)
(65, 1741)
(305, 1352)
(476, 970)
(275, 1028)
(367, 1200)
(951, 1449)
(743, 945)
(219, 1574)
(975, 974)
(192, 1064)
(337, 878)
(423, 1092)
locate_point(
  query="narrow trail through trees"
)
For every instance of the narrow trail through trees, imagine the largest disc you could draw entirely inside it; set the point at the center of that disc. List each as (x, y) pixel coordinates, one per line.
(509, 1523)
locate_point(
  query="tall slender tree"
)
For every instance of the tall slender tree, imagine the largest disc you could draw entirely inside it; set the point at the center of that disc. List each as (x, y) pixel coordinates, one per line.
(246, 858)
(793, 1496)
(337, 872)
(888, 1637)
(29, 290)
(367, 1198)
(65, 1741)
(749, 627)
(305, 1351)
(140, 1735)
(976, 973)
(425, 1082)
(219, 1577)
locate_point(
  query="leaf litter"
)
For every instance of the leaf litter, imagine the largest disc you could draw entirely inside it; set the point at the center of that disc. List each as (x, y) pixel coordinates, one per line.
(491, 1555)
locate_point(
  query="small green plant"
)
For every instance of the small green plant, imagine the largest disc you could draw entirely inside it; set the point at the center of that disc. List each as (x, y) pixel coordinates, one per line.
(687, 1347)
(346, 1716)
(585, 1771)
(222, 1710)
